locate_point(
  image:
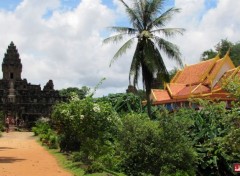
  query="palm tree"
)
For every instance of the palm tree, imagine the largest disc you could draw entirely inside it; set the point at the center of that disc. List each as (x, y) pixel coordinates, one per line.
(148, 22)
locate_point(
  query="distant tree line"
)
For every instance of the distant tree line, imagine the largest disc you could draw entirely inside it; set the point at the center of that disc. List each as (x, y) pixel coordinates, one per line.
(221, 48)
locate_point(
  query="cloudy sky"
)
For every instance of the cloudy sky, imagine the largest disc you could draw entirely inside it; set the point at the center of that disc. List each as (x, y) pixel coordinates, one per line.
(62, 39)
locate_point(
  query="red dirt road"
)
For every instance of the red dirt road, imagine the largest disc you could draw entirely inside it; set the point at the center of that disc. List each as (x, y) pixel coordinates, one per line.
(21, 155)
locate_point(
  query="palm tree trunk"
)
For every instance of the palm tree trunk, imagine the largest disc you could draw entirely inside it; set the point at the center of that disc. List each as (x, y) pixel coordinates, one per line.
(149, 109)
(147, 79)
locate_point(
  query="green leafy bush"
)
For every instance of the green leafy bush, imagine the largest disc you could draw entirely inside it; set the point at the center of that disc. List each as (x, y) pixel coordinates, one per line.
(215, 135)
(46, 134)
(86, 126)
(124, 102)
(155, 147)
(41, 127)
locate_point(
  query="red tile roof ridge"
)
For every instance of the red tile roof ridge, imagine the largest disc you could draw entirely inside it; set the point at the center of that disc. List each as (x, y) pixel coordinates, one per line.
(202, 62)
(175, 76)
(196, 73)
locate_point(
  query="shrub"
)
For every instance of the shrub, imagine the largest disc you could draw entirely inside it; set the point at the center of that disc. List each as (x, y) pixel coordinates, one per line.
(41, 127)
(46, 135)
(154, 147)
(124, 102)
(215, 135)
(86, 126)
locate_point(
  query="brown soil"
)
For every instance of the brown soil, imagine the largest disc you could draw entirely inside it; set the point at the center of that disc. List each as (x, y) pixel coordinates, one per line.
(21, 155)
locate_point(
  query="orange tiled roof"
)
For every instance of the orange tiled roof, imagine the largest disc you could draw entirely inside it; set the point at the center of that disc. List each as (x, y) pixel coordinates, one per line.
(197, 81)
(175, 88)
(194, 74)
(193, 90)
(187, 90)
(221, 96)
(161, 95)
(200, 89)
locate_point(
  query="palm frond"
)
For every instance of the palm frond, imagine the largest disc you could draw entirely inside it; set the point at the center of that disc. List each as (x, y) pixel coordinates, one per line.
(169, 32)
(163, 18)
(135, 66)
(115, 38)
(127, 30)
(170, 49)
(155, 7)
(122, 50)
(153, 59)
(133, 15)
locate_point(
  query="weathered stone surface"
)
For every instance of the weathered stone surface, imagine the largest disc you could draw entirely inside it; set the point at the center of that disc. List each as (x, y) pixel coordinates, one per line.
(20, 99)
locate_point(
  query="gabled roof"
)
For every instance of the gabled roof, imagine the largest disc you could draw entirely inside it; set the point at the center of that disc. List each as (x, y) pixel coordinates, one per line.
(216, 70)
(199, 80)
(160, 95)
(194, 74)
(174, 88)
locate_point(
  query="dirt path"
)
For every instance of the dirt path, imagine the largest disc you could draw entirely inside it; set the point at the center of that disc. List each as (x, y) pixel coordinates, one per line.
(21, 155)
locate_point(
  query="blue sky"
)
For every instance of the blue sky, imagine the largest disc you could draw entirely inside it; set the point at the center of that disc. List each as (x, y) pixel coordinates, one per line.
(65, 44)
(10, 5)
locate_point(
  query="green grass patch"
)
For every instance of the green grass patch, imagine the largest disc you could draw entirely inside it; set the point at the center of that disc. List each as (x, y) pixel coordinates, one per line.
(76, 168)
(68, 165)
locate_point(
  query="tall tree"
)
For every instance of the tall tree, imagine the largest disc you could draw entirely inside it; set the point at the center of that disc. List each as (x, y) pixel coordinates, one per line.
(148, 21)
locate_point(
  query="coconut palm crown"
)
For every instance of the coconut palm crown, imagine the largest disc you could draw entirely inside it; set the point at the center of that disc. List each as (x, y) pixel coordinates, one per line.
(148, 22)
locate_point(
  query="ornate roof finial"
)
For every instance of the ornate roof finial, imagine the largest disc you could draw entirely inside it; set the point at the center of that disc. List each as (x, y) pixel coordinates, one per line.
(228, 52)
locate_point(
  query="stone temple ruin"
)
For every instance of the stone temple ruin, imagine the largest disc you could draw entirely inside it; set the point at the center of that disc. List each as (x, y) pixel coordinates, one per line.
(18, 98)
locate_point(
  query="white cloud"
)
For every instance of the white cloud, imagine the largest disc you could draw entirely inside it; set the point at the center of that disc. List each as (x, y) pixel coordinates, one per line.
(205, 27)
(65, 45)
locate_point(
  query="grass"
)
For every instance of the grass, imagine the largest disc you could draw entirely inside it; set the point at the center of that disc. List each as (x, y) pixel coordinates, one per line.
(65, 163)
(73, 167)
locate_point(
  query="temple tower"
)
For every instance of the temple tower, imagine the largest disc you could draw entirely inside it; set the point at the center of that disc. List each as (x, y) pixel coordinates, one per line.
(12, 66)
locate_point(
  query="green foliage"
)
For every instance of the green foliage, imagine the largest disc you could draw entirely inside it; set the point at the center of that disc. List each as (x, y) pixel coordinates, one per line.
(234, 53)
(124, 102)
(86, 126)
(211, 130)
(147, 20)
(81, 93)
(230, 143)
(155, 147)
(232, 85)
(183, 143)
(221, 48)
(46, 135)
(41, 127)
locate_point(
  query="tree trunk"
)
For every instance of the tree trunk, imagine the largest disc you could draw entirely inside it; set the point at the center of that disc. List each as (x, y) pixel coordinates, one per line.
(147, 79)
(149, 109)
